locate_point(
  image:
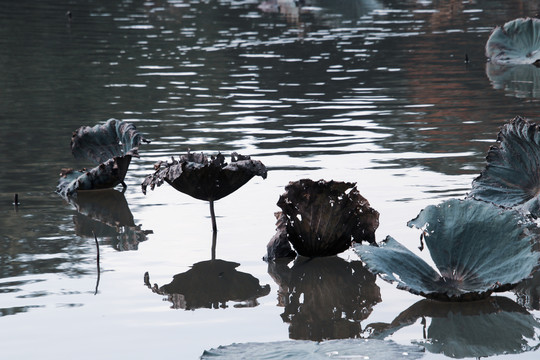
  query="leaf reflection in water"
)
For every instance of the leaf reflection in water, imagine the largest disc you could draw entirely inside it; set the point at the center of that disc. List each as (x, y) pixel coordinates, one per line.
(493, 326)
(324, 298)
(106, 214)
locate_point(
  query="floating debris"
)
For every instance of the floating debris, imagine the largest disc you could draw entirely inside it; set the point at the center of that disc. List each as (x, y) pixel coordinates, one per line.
(511, 177)
(111, 145)
(205, 178)
(478, 248)
(516, 42)
(323, 218)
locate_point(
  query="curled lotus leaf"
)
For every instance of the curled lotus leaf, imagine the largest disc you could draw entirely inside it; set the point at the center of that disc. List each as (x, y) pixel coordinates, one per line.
(516, 42)
(511, 177)
(104, 176)
(111, 145)
(100, 143)
(477, 247)
(323, 218)
(303, 349)
(203, 177)
(212, 284)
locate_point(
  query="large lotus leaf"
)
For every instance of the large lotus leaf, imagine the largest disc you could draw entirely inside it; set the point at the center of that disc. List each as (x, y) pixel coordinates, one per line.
(106, 175)
(516, 42)
(492, 326)
(477, 247)
(211, 284)
(325, 297)
(324, 217)
(309, 350)
(512, 174)
(528, 292)
(206, 178)
(100, 143)
(523, 81)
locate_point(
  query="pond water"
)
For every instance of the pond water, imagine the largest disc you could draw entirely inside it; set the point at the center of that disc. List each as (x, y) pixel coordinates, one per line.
(373, 92)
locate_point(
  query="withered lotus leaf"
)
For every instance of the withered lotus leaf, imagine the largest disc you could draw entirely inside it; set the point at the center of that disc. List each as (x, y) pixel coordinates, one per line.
(323, 218)
(516, 42)
(477, 247)
(111, 145)
(512, 174)
(203, 177)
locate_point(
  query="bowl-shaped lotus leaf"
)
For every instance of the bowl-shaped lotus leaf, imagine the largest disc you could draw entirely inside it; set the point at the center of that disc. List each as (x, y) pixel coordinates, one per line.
(212, 284)
(478, 248)
(110, 145)
(516, 42)
(512, 174)
(323, 218)
(522, 81)
(100, 143)
(203, 177)
(324, 297)
(478, 329)
(303, 349)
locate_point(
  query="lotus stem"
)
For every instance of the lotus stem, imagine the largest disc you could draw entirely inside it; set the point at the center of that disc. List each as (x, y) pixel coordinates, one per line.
(213, 216)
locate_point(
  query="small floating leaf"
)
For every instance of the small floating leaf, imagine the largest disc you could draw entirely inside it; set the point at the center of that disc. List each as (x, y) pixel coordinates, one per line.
(333, 349)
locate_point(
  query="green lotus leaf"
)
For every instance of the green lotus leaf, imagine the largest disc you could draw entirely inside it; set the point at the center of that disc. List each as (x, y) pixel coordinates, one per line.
(478, 248)
(516, 42)
(511, 177)
(308, 350)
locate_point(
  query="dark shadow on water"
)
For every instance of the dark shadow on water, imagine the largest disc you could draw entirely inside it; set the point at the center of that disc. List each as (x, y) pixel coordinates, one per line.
(211, 284)
(493, 326)
(528, 292)
(324, 298)
(106, 214)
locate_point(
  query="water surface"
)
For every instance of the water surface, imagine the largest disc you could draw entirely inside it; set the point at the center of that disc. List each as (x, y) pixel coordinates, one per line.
(375, 92)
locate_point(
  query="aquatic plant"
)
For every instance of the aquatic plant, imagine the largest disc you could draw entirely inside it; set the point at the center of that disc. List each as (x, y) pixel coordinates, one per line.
(324, 297)
(493, 326)
(512, 174)
(211, 284)
(303, 349)
(478, 248)
(205, 178)
(516, 42)
(111, 145)
(323, 218)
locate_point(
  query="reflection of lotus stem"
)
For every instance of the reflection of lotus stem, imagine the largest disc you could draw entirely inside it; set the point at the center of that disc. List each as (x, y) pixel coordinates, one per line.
(98, 270)
(213, 215)
(214, 242)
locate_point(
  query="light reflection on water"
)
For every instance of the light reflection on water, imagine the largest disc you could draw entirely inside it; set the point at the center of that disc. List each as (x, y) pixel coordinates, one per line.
(375, 92)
